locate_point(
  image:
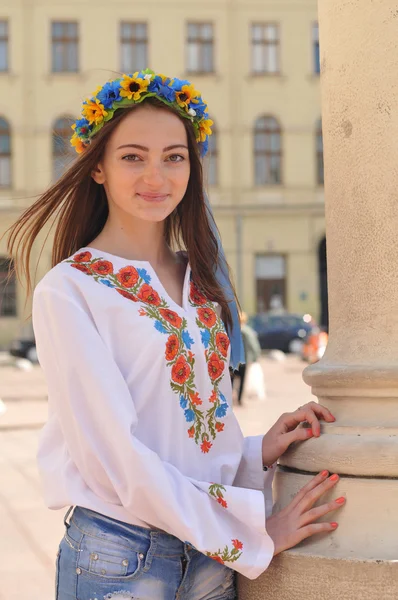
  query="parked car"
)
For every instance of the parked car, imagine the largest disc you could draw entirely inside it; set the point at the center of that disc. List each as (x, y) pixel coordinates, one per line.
(24, 346)
(282, 331)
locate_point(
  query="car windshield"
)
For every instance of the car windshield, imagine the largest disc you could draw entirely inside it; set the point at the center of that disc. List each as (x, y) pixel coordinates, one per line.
(267, 320)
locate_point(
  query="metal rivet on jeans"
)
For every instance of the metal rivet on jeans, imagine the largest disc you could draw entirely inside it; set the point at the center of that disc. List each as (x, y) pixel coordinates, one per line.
(125, 562)
(78, 571)
(103, 572)
(141, 556)
(94, 556)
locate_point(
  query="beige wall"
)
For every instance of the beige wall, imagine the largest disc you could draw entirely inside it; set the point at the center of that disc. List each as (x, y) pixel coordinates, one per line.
(286, 219)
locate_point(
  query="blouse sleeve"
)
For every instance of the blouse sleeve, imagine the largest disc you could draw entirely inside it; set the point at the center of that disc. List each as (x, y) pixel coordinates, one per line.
(99, 420)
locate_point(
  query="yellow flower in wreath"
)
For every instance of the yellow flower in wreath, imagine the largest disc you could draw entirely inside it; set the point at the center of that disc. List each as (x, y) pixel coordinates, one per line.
(133, 87)
(77, 143)
(204, 129)
(94, 111)
(186, 95)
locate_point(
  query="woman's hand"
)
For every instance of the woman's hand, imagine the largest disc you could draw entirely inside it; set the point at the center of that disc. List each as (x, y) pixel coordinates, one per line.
(295, 523)
(286, 430)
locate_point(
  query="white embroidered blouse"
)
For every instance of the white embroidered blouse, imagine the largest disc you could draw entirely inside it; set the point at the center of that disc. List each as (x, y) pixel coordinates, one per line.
(140, 424)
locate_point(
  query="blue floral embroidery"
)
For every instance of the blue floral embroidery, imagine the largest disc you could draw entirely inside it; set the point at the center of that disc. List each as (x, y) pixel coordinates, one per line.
(206, 336)
(160, 327)
(183, 402)
(107, 283)
(186, 338)
(221, 410)
(189, 415)
(143, 273)
(222, 397)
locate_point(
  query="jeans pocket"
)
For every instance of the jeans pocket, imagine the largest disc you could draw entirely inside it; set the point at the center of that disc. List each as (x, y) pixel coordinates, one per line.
(108, 560)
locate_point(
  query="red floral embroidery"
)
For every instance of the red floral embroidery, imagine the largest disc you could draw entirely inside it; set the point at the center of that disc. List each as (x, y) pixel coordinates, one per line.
(102, 267)
(227, 555)
(181, 370)
(191, 431)
(207, 316)
(213, 397)
(195, 398)
(222, 342)
(82, 257)
(128, 276)
(215, 366)
(171, 317)
(205, 446)
(127, 295)
(219, 426)
(148, 295)
(196, 296)
(216, 490)
(82, 268)
(172, 347)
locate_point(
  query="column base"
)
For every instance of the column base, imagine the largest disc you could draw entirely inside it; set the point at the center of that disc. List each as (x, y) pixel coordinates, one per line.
(296, 576)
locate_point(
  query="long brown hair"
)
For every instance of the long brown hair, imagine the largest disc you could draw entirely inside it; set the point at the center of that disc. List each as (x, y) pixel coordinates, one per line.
(79, 207)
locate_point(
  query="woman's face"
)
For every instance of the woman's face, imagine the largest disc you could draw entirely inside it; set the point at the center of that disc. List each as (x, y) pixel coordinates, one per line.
(145, 168)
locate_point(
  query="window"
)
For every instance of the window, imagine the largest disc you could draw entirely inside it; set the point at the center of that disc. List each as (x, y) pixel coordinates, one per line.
(270, 283)
(319, 153)
(213, 158)
(134, 47)
(200, 48)
(8, 289)
(267, 151)
(265, 48)
(5, 154)
(3, 45)
(65, 42)
(63, 152)
(315, 48)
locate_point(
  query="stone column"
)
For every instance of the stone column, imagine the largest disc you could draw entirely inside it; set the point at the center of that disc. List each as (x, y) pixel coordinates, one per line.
(358, 376)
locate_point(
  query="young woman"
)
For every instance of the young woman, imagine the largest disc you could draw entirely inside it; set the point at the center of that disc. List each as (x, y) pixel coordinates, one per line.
(134, 335)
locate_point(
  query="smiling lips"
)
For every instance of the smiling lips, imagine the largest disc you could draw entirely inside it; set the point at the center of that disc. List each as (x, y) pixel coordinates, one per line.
(153, 197)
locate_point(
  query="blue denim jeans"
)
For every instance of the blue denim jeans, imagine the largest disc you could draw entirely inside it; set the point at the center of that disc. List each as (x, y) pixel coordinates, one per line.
(100, 558)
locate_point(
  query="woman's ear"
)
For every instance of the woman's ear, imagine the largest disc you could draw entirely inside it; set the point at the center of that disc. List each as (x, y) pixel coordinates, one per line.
(98, 174)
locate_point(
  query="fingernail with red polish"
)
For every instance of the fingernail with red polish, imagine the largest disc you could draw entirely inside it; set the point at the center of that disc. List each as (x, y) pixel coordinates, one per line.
(334, 525)
(309, 433)
(334, 478)
(340, 500)
(325, 473)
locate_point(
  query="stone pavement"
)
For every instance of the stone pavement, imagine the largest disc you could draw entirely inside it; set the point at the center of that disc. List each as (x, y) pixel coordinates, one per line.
(29, 532)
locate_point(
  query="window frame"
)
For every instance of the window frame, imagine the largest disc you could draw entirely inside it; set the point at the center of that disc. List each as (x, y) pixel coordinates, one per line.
(265, 44)
(320, 180)
(6, 131)
(5, 281)
(133, 41)
(64, 40)
(267, 153)
(315, 49)
(6, 40)
(202, 43)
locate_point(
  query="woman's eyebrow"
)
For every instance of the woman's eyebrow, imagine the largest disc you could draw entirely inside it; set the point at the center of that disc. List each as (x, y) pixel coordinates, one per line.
(145, 149)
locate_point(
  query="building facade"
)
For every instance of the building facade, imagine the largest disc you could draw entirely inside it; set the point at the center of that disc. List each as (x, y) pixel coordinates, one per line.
(256, 64)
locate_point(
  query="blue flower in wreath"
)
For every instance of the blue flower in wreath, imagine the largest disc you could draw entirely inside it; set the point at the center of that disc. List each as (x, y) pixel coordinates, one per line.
(186, 338)
(189, 415)
(183, 402)
(159, 326)
(205, 335)
(109, 94)
(82, 127)
(199, 108)
(222, 397)
(143, 273)
(162, 88)
(107, 283)
(221, 410)
(179, 83)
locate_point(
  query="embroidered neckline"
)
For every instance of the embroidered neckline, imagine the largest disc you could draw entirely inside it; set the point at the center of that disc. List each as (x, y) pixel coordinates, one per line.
(134, 284)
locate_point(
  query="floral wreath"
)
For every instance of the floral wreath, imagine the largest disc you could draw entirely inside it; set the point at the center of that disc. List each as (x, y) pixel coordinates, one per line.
(133, 89)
